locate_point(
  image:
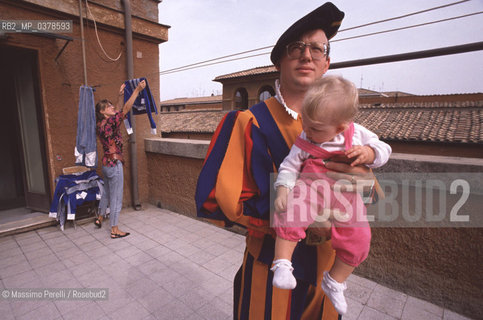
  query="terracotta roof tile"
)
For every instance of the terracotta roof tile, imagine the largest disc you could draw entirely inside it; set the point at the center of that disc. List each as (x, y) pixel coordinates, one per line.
(196, 100)
(458, 122)
(249, 72)
(196, 121)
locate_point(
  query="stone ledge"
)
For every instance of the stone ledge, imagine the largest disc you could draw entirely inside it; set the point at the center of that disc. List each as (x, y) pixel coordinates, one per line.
(399, 162)
(439, 159)
(28, 224)
(188, 148)
(404, 162)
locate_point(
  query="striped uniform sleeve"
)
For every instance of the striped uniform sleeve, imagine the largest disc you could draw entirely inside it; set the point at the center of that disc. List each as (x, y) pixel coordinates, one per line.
(225, 180)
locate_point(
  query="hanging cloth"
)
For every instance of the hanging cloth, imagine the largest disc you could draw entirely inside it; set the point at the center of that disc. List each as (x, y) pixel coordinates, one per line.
(86, 145)
(144, 103)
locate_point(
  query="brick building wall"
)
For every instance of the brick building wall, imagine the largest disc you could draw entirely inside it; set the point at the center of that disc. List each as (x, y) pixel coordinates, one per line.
(59, 80)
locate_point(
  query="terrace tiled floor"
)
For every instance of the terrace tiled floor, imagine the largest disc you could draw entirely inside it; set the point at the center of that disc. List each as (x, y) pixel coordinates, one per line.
(170, 267)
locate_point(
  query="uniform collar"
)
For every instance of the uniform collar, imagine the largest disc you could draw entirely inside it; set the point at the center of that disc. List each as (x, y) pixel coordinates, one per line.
(279, 97)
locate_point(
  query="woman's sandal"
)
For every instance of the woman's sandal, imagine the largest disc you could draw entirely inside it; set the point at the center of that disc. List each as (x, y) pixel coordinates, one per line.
(118, 235)
(98, 223)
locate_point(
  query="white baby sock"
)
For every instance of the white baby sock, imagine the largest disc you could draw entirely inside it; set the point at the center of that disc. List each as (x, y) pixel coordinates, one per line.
(282, 274)
(335, 291)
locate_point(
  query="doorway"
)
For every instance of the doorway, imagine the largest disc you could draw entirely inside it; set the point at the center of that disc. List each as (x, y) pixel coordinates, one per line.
(23, 170)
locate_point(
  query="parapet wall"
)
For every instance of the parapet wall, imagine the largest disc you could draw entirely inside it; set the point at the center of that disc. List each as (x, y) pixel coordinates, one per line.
(439, 262)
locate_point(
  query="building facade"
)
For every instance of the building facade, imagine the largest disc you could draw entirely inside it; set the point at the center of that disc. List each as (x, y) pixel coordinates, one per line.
(198, 103)
(245, 88)
(41, 77)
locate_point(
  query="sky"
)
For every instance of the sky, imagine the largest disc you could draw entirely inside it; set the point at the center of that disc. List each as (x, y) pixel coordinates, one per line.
(202, 30)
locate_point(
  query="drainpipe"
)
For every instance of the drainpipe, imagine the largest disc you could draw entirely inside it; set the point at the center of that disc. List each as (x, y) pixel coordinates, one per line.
(83, 42)
(132, 137)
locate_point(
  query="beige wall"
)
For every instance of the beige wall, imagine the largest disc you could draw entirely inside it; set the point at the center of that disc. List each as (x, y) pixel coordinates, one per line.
(441, 265)
(172, 182)
(180, 135)
(251, 84)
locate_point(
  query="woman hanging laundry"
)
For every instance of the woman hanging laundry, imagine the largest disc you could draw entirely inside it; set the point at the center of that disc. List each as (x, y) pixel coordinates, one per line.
(109, 119)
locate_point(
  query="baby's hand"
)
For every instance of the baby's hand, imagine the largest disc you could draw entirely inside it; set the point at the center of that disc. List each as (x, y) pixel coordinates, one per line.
(281, 199)
(363, 154)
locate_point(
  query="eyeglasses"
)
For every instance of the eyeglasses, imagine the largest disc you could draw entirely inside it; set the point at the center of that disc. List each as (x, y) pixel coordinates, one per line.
(318, 50)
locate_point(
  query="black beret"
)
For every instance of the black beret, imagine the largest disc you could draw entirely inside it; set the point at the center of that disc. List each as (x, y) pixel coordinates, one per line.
(326, 17)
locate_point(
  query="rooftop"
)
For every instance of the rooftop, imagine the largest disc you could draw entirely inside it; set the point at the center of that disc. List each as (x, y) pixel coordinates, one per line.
(456, 122)
(196, 121)
(367, 93)
(195, 100)
(170, 267)
(248, 72)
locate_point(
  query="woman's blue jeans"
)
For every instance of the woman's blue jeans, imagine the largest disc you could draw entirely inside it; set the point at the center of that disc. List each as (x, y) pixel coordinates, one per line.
(113, 187)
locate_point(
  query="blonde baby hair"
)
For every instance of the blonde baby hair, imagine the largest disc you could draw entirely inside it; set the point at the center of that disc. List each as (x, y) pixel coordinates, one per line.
(331, 98)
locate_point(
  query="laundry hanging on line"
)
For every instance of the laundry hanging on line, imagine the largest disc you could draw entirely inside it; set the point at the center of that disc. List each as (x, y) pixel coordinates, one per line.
(144, 103)
(85, 151)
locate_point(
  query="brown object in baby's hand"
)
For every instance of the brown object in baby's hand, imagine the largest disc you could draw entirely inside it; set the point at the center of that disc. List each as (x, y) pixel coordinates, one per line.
(341, 158)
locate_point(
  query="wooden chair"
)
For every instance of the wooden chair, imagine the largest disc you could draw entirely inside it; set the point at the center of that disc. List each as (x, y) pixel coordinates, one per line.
(75, 169)
(85, 210)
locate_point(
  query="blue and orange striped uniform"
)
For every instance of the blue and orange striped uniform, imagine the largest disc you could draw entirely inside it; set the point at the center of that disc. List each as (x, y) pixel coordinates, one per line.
(234, 188)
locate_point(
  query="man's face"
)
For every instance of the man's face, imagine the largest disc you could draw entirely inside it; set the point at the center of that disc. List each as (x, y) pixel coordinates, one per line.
(299, 73)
